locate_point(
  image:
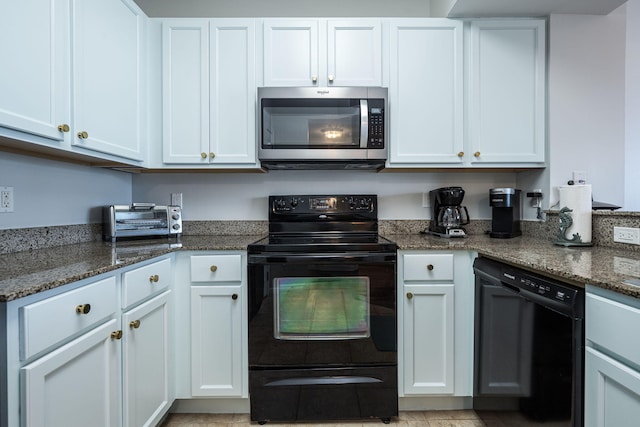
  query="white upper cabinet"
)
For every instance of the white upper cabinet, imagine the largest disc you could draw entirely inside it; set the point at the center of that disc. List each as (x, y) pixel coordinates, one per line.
(185, 91)
(320, 52)
(506, 95)
(354, 53)
(426, 92)
(208, 90)
(74, 81)
(34, 88)
(107, 77)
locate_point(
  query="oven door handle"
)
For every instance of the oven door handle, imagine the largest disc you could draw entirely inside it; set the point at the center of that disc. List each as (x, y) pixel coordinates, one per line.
(321, 258)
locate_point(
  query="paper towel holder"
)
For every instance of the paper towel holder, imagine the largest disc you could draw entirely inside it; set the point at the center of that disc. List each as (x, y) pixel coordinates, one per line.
(565, 222)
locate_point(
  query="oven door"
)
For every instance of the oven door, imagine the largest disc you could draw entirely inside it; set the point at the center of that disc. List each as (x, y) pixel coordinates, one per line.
(322, 337)
(322, 310)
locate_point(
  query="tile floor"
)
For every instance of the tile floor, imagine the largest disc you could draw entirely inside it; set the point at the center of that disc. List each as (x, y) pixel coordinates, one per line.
(405, 419)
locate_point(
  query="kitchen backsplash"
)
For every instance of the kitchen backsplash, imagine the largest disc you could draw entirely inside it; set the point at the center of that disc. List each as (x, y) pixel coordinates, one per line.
(24, 239)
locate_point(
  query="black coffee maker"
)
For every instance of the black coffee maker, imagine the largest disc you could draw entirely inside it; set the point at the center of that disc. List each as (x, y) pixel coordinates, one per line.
(506, 204)
(448, 215)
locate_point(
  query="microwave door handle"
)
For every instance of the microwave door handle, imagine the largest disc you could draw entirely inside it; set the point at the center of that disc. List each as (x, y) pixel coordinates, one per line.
(364, 123)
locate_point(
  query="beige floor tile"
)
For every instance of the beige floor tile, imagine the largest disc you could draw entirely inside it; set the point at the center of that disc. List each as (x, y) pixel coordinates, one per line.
(405, 419)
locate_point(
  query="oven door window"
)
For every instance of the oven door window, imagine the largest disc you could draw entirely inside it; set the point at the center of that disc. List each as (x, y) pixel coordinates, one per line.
(321, 308)
(310, 123)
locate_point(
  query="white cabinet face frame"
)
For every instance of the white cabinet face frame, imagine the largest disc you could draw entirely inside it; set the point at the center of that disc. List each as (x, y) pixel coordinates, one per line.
(107, 58)
(507, 91)
(34, 89)
(426, 91)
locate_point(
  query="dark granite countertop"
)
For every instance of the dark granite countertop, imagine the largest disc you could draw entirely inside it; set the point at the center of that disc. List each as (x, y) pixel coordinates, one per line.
(600, 266)
(29, 272)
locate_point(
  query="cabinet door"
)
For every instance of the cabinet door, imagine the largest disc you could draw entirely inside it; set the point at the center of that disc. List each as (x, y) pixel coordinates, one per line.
(428, 339)
(146, 362)
(217, 341)
(75, 385)
(612, 392)
(354, 53)
(507, 91)
(425, 88)
(233, 92)
(290, 53)
(107, 73)
(185, 91)
(34, 88)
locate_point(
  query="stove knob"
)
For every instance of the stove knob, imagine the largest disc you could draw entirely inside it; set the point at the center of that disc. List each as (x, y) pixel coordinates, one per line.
(294, 203)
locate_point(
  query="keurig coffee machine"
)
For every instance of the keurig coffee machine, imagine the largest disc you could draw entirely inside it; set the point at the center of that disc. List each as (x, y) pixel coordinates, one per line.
(506, 205)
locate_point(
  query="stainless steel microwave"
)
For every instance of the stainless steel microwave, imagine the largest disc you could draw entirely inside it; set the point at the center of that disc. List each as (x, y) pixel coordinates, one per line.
(322, 128)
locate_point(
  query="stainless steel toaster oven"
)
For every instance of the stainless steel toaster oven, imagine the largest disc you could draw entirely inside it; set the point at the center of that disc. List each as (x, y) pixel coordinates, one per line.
(140, 220)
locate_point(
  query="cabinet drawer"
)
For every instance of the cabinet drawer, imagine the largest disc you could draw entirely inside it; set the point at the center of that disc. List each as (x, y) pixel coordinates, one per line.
(142, 282)
(216, 268)
(47, 322)
(614, 326)
(428, 267)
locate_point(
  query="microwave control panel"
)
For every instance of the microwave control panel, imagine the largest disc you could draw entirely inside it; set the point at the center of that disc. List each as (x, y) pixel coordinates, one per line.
(376, 123)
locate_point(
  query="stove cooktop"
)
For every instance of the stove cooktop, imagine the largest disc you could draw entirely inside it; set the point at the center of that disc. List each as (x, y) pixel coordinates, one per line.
(309, 243)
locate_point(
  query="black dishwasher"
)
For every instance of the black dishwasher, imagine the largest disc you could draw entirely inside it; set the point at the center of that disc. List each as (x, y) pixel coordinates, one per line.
(529, 348)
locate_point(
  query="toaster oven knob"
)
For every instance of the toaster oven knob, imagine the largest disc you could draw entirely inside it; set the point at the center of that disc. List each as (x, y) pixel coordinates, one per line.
(175, 216)
(176, 226)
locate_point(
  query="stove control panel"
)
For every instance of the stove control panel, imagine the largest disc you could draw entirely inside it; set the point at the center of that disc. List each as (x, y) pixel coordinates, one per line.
(343, 204)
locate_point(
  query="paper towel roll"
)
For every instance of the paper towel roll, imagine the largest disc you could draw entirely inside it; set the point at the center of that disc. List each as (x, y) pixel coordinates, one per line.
(578, 199)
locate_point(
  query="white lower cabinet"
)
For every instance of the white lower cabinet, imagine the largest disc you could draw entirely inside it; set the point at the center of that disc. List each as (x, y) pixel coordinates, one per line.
(428, 332)
(95, 362)
(146, 362)
(219, 330)
(435, 321)
(77, 384)
(612, 359)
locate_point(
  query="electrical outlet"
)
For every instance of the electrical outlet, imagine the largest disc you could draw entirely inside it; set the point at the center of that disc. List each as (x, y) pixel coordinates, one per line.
(626, 235)
(176, 199)
(6, 199)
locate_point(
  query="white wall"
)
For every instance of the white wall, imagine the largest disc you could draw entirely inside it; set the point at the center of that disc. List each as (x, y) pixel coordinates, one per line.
(632, 138)
(586, 102)
(54, 193)
(244, 196)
